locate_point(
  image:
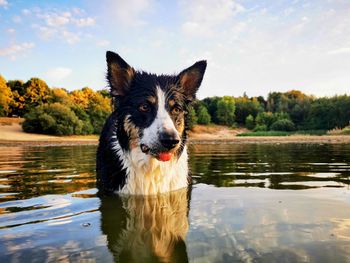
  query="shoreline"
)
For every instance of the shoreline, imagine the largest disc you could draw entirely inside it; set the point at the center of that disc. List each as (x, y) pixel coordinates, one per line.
(11, 134)
(299, 139)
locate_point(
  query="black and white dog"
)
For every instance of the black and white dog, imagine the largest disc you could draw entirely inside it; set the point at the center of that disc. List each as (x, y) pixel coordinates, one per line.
(142, 147)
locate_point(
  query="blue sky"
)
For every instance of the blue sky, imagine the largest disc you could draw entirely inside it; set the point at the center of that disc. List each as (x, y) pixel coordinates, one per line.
(251, 46)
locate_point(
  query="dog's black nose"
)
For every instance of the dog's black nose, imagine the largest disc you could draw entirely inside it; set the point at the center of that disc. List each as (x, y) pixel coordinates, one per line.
(169, 141)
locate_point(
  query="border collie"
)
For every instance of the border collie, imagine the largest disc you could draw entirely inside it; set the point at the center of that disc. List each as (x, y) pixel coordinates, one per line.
(142, 148)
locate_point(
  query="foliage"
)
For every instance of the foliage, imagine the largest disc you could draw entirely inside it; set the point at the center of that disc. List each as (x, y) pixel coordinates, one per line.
(212, 105)
(52, 118)
(283, 125)
(17, 106)
(191, 118)
(249, 122)
(311, 132)
(60, 95)
(265, 133)
(226, 110)
(281, 110)
(203, 115)
(247, 106)
(36, 93)
(265, 118)
(5, 97)
(260, 127)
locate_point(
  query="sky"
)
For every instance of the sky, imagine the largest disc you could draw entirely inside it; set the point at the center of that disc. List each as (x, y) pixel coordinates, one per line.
(254, 47)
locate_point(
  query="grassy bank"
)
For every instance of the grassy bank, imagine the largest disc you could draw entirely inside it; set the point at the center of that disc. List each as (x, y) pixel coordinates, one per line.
(284, 133)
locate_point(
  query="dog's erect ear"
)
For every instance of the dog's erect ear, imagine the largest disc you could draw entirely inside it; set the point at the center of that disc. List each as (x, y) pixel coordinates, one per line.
(191, 78)
(119, 74)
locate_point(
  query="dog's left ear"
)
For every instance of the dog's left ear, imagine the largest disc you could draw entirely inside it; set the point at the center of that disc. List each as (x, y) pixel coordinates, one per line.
(191, 78)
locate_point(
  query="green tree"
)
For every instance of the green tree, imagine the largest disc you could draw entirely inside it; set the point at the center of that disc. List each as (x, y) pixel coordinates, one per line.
(5, 97)
(283, 125)
(52, 118)
(226, 110)
(191, 118)
(203, 115)
(247, 106)
(249, 122)
(212, 106)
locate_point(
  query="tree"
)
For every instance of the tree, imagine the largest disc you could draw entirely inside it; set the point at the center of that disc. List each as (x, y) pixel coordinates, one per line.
(212, 106)
(249, 122)
(226, 110)
(60, 95)
(17, 105)
(246, 106)
(36, 93)
(283, 125)
(52, 118)
(5, 97)
(203, 115)
(191, 118)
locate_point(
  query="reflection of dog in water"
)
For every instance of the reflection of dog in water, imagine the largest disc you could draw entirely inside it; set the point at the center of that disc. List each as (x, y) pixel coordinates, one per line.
(146, 228)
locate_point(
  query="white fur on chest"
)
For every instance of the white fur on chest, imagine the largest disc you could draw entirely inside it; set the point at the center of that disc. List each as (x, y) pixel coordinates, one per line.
(146, 175)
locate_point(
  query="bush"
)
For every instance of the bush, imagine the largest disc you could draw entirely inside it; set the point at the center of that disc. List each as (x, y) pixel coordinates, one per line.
(265, 118)
(56, 119)
(265, 133)
(203, 115)
(249, 122)
(283, 125)
(259, 128)
(191, 118)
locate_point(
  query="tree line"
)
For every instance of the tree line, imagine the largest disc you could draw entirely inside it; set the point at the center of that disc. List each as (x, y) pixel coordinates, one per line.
(58, 111)
(281, 111)
(54, 110)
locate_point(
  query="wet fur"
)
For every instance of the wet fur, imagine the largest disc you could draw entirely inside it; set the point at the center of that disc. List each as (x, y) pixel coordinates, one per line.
(121, 164)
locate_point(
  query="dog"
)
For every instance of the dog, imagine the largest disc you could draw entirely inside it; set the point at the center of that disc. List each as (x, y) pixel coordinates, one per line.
(142, 147)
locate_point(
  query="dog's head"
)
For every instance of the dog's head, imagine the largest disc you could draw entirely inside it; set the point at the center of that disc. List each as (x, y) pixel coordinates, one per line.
(152, 108)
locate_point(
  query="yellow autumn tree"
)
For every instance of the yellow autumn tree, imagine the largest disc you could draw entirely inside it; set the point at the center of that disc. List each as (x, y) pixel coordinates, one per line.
(5, 97)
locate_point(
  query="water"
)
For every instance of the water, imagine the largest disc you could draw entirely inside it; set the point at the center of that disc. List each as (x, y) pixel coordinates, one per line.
(249, 203)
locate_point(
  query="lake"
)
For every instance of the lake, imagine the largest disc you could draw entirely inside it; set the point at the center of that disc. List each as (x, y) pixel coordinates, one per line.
(248, 203)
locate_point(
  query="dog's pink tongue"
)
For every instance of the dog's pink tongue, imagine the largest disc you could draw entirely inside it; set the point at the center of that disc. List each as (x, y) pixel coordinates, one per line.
(164, 156)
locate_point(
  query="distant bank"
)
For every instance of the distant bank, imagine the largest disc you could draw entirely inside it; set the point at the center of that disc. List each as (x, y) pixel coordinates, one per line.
(11, 134)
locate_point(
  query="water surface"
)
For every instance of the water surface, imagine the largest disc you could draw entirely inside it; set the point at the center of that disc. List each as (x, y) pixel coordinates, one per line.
(249, 203)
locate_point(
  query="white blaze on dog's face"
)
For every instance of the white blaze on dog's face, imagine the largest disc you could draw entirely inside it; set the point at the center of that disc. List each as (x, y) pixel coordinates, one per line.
(153, 108)
(162, 132)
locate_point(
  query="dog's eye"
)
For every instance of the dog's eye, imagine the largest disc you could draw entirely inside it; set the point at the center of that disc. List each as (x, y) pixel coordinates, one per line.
(176, 110)
(144, 107)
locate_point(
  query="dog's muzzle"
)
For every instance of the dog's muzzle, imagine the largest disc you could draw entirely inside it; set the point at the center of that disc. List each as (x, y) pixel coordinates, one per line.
(165, 148)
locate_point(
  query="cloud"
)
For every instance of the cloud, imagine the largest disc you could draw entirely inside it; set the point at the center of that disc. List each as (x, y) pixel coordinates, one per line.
(103, 43)
(26, 12)
(345, 50)
(11, 30)
(46, 33)
(62, 25)
(129, 12)
(17, 19)
(4, 3)
(15, 50)
(70, 37)
(205, 16)
(56, 19)
(84, 22)
(58, 73)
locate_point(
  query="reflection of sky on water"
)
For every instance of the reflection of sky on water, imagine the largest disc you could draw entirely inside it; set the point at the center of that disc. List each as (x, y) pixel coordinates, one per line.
(248, 224)
(250, 203)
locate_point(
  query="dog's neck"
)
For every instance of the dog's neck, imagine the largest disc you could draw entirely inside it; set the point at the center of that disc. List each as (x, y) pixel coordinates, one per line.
(146, 175)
